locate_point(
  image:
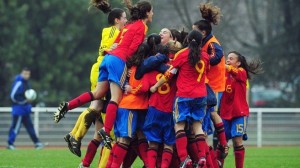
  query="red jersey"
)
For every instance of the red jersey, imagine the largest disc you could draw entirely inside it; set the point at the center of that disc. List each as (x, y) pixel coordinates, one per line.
(163, 99)
(233, 102)
(131, 37)
(191, 80)
(134, 101)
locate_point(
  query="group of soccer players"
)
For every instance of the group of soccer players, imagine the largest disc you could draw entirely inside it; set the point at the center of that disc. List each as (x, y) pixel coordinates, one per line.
(186, 75)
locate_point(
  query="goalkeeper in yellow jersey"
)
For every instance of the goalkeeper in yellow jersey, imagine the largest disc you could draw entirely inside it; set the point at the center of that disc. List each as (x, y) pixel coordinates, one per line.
(116, 19)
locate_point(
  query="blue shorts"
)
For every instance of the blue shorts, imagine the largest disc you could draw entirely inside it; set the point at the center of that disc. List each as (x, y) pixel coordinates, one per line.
(159, 126)
(189, 109)
(113, 69)
(235, 127)
(207, 126)
(127, 122)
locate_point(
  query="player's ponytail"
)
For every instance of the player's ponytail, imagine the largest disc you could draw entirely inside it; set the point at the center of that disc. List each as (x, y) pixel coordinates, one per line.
(254, 66)
(102, 5)
(139, 10)
(211, 15)
(194, 43)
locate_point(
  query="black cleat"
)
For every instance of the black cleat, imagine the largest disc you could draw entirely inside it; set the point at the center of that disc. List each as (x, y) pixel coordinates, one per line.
(106, 138)
(75, 145)
(60, 112)
(67, 139)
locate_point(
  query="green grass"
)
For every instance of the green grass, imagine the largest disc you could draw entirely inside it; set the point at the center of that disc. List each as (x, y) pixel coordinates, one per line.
(268, 157)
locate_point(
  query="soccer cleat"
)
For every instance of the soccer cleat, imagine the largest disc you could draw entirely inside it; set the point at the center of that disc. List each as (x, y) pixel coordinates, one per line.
(61, 111)
(187, 163)
(201, 162)
(75, 145)
(67, 139)
(81, 166)
(106, 138)
(11, 147)
(39, 145)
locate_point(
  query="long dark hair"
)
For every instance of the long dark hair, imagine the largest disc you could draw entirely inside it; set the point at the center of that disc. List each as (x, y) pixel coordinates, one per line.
(153, 40)
(139, 56)
(139, 10)
(102, 5)
(253, 67)
(211, 15)
(194, 39)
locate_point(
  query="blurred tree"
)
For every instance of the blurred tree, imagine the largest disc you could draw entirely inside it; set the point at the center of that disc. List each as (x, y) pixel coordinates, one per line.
(57, 39)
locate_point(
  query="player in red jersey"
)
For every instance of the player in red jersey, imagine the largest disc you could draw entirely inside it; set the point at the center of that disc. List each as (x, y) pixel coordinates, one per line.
(235, 109)
(113, 70)
(216, 73)
(191, 93)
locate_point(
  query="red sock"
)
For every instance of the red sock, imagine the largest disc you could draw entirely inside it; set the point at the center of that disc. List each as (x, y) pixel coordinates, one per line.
(201, 145)
(181, 144)
(175, 159)
(90, 152)
(192, 149)
(239, 154)
(213, 157)
(119, 154)
(80, 100)
(151, 156)
(111, 157)
(209, 163)
(166, 158)
(143, 147)
(221, 133)
(130, 156)
(111, 114)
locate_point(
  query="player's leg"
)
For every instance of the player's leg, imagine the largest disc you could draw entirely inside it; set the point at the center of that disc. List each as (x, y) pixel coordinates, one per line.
(167, 156)
(152, 154)
(116, 74)
(142, 141)
(198, 108)
(98, 93)
(27, 122)
(14, 130)
(93, 144)
(181, 111)
(238, 129)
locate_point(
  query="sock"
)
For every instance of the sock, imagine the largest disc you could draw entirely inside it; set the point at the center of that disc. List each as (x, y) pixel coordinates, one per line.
(119, 154)
(104, 157)
(87, 120)
(218, 154)
(209, 163)
(80, 100)
(151, 156)
(111, 114)
(181, 144)
(192, 149)
(166, 158)
(213, 157)
(111, 157)
(201, 145)
(143, 147)
(221, 133)
(90, 152)
(239, 154)
(130, 157)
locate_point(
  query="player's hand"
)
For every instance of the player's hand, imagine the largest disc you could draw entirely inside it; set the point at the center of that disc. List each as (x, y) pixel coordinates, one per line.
(153, 89)
(127, 89)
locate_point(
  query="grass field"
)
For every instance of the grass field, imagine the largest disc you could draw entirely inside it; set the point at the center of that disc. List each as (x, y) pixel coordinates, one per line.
(268, 157)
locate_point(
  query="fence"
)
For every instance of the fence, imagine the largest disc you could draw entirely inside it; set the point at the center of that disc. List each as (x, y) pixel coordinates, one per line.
(266, 127)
